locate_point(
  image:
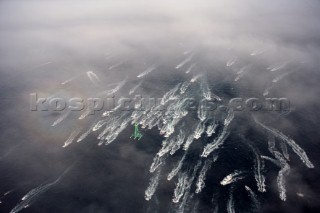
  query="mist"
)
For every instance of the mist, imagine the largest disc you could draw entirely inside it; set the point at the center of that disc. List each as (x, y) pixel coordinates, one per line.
(238, 48)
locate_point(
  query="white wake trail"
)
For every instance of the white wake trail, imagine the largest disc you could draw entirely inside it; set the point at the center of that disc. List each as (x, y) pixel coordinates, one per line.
(154, 182)
(177, 168)
(187, 190)
(278, 78)
(183, 186)
(114, 90)
(202, 112)
(177, 144)
(216, 143)
(135, 88)
(230, 203)
(274, 161)
(211, 129)
(200, 183)
(185, 61)
(277, 67)
(191, 68)
(206, 93)
(33, 194)
(284, 171)
(184, 87)
(229, 118)
(93, 77)
(295, 147)
(257, 52)
(116, 65)
(180, 187)
(157, 161)
(61, 118)
(170, 94)
(258, 168)
(241, 73)
(195, 78)
(147, 71)
(188, 142)
(284, 150)
(72, 136)
(85, 134)
(99, 124)
(199, 130)
(253, 197)
(231, 62)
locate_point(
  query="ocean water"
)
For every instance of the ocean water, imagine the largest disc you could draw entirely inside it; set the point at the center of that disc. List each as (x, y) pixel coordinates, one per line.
(59, 160)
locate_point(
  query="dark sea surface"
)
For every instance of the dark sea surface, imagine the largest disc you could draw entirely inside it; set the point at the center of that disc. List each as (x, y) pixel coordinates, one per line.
(44, 44)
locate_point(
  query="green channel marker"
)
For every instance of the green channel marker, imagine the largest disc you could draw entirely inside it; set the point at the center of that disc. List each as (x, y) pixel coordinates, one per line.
(136, 134)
